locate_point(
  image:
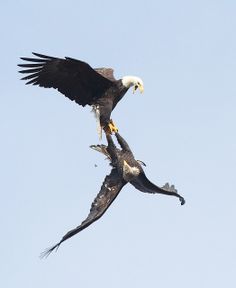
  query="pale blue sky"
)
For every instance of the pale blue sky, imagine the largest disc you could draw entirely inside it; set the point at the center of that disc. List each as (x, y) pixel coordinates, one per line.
(182, 127)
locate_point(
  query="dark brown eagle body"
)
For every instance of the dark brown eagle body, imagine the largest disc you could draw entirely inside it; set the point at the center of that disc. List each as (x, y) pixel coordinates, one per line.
(79, 82)
(125, 169)
(108, 101)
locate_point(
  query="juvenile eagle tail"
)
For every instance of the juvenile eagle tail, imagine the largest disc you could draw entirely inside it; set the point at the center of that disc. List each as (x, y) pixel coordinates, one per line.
(102, 149)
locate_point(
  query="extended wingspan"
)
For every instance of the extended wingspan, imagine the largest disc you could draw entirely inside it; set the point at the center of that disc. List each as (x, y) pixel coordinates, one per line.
(75, 79)
(111, 187)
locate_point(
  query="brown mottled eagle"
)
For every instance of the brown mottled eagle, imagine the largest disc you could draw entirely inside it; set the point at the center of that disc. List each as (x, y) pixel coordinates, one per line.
(125, 169)
(81, 83)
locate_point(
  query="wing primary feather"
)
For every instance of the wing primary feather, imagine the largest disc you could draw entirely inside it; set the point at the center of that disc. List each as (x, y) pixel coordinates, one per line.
(33, 81)
(31, 70)
(33, 59)
(43, 56)
(30, 65)
(31, 76)
(76, 79)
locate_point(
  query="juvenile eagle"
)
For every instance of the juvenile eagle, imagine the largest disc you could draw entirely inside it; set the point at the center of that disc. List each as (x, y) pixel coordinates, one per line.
(124, 169)
(78, 81)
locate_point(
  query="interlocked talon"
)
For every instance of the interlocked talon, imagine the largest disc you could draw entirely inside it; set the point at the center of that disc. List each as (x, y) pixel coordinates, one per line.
(111, 127)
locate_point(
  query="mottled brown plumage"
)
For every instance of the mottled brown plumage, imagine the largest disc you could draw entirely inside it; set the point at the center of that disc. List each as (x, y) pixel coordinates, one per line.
(124, 169)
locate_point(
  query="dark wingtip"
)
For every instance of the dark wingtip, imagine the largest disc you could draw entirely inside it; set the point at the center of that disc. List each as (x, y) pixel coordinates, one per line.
(41, 58)
(48, 251)
(46, 57)
(40, 55)
(182, 200)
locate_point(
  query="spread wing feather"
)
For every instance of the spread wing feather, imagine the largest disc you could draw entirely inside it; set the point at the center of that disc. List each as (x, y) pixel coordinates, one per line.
(111, 187)
(75, 79)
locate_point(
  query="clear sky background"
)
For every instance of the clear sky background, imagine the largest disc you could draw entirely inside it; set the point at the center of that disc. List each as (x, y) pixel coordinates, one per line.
(182, 127)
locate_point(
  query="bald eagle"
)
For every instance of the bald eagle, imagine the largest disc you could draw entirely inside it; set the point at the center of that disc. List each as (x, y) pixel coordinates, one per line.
(125, 169)
(81, 83)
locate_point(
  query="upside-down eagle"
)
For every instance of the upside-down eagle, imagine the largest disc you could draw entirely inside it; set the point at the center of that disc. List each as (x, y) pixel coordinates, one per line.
(78, 81)
(125, 169)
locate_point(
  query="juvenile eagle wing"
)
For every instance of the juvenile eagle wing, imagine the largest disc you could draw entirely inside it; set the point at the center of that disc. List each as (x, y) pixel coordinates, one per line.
(143, 184)
(111, 187)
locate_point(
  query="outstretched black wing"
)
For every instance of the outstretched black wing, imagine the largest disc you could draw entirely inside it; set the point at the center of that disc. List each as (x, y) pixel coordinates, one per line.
(75, 79)
(111, 187)
(143, 184)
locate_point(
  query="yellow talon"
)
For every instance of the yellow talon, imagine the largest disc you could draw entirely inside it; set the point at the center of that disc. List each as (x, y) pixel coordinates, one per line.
(110, 128)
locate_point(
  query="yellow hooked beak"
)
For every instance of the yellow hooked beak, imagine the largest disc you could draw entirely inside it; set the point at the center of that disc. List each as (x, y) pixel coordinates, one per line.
(138, 86)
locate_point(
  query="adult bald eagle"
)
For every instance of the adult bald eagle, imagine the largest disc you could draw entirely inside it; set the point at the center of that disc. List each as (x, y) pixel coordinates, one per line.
(78, 81)
(125, 170)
